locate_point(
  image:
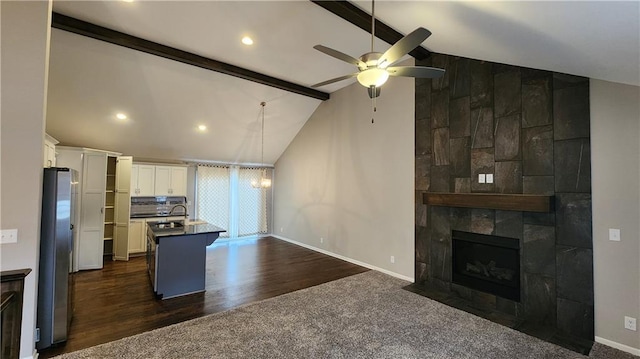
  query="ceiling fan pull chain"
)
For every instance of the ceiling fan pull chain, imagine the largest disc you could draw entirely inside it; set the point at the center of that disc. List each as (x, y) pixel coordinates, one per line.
(373, 104)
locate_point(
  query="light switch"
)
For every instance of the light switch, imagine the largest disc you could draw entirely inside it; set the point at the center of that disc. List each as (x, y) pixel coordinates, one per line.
(489, 177)
(614, 234)
(481, 178)
(9, 236)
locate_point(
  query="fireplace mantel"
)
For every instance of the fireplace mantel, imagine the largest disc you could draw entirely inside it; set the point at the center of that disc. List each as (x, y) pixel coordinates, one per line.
(507, 202)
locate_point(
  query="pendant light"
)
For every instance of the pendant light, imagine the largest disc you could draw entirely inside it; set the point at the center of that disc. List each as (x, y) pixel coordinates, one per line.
(264, 182)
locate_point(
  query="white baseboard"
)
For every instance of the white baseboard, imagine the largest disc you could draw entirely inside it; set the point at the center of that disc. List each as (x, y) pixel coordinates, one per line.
(350, 260)
(624, 348)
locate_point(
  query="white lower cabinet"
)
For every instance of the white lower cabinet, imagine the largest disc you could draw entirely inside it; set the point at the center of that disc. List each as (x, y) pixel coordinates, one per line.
(137, 236)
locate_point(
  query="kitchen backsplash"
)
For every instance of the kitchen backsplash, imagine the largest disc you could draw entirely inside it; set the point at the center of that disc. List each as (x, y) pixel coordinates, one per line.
(155, 206)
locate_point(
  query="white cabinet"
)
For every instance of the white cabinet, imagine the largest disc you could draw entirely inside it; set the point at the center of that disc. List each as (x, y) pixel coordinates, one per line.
(143, 180)
(137, 235)
(122, 207)
(171, 181)
(49, 151)
(96, 209)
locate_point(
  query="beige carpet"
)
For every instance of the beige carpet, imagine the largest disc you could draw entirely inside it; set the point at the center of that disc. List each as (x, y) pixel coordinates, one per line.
(367, 315)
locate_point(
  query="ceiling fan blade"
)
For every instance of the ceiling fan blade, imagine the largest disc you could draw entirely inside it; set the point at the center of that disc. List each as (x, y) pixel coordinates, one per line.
(403, 46)
(340, 56)
(335, 80)
(416, 71)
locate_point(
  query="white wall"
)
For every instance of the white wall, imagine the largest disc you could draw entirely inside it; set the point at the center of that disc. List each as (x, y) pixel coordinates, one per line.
(615, 168)
(25, 36)
(351, 182)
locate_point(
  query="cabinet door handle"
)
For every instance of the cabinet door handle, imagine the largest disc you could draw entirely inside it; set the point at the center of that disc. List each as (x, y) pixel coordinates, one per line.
(101, 210)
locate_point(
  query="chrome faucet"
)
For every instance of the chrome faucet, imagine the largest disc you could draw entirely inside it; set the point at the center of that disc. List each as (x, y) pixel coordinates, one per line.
(179, 205)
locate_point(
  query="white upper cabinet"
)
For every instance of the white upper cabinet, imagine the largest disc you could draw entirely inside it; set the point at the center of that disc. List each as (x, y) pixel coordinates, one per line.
(171, 181)
(143, 180)
(49, 151)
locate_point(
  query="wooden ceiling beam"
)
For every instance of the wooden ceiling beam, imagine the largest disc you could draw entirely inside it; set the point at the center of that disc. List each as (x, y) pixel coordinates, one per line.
(361, 19)
(88, 29)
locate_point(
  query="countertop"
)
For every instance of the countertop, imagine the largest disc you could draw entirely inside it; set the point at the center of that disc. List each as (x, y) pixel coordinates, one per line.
(187, 230)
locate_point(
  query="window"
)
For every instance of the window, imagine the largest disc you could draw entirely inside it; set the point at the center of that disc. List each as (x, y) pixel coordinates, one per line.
(226, 198)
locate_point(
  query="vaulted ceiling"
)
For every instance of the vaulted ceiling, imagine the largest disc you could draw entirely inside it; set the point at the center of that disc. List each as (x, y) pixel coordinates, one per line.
(90, 80)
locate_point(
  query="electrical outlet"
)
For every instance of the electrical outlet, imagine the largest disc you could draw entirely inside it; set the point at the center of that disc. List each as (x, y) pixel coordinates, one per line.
(392, 259)
(321, 240)
(9, 236)
(614, 234)
(281, 229)
(482, 178)
(630, 323)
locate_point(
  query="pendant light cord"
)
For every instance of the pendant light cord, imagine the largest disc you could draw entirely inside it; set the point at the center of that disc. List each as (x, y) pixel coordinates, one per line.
(263, 104)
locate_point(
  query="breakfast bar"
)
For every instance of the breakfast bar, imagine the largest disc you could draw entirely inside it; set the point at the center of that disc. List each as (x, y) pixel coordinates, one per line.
(176, 256)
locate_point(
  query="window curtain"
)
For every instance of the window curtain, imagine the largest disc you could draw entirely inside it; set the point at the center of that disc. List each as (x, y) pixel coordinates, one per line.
(213, 202)
(252, 203)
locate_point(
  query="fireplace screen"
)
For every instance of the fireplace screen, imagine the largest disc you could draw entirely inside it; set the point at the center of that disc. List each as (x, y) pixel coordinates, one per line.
(487, 263)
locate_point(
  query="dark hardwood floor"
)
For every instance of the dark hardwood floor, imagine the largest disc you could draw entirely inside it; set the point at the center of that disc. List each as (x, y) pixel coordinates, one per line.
(118, 301)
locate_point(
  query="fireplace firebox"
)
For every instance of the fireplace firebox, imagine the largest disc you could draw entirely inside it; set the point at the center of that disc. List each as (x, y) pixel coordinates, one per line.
(487, 263)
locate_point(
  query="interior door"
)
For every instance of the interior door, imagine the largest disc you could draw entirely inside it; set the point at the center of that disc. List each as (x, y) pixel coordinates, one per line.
(91, 244)
(122, 208)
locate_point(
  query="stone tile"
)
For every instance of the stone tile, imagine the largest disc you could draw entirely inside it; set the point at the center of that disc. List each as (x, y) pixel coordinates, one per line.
(440, 224)
(574, 268)
(509, 224)
(482, 221)
(538, 185)
(462, 185)
(539, 299)
(481, 162)
(440, 109)
(481, 83)
(538, 254)
(572, 164)
(573, 216)
(441, 261)
(421, 209)
(439, 181)
(440, 61)
(423, 137)
(423, 98)
(459, 117)
(423, 170)
(561, 81)
(507, 92)
(575, 318)
(542, 219)
(422, 244)
(501, 68)
(461, 219)
(529, 74)
(441, 146)
(536, 102)
(460, 156)
(537, 151)
(571, 113)
(482, 128)
(421, 272)
(508, 177)
(507, 306)
(507, 137)
(459, 78)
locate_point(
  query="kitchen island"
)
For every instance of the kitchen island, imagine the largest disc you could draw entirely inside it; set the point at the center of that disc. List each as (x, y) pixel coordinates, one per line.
(176, 256)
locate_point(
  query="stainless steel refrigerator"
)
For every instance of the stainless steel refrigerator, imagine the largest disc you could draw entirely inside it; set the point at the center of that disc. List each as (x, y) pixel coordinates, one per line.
(55, 283)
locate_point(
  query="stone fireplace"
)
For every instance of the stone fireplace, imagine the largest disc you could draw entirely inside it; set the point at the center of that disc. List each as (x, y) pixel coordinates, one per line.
(530, 130)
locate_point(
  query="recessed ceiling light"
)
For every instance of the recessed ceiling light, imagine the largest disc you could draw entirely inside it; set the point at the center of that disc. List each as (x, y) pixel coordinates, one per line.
(247, 40)
(121, 116)
(202, 127)
(127, 0)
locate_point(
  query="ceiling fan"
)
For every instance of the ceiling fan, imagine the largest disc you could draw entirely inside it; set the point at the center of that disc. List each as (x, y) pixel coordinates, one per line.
(374, 68)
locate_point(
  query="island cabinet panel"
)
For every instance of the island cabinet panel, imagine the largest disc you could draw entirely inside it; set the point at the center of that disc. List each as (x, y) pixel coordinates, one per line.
(143, 180)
